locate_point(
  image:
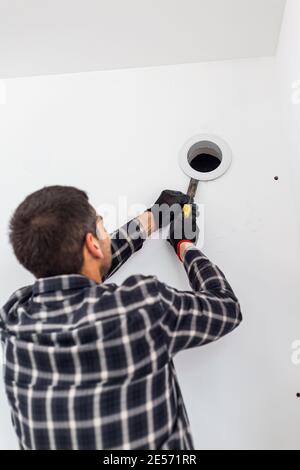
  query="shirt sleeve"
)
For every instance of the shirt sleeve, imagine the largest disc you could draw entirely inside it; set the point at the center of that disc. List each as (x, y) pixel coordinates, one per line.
(203, 315)
(125, 241)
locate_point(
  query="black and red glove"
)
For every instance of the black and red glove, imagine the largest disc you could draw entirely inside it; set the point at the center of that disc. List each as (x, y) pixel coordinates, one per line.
(168, 205)
(184, 229)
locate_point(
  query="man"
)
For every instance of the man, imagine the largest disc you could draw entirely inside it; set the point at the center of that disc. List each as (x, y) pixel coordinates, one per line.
(89, 364)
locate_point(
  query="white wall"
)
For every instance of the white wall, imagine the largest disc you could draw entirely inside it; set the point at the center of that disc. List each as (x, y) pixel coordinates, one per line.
(119, 133)
(288, 63)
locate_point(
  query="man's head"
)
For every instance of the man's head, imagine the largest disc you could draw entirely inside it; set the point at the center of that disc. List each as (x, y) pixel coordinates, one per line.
(56, 231)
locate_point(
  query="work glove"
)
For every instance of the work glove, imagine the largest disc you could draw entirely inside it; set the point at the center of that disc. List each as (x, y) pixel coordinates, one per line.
(168, 205)
(184, 228)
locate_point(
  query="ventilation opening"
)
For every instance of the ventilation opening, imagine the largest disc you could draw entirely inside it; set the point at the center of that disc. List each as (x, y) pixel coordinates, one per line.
(204, 156)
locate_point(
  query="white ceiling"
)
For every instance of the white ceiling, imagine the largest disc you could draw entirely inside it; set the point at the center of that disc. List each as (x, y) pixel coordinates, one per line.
(60, 36)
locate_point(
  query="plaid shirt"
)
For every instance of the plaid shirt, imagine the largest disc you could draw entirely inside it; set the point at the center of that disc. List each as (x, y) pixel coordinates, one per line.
(89, 366)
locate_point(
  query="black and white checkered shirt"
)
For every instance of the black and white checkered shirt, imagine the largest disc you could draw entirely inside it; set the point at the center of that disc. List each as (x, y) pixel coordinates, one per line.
(89, 366)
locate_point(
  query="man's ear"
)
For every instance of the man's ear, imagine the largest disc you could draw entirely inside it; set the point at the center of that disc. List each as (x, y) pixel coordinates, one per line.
(93, 246)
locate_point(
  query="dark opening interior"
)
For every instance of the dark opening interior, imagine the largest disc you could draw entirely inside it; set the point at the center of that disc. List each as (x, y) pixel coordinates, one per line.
(204, 162)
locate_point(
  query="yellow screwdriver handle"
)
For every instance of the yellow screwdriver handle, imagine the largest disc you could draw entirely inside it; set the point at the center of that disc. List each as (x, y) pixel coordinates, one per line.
(187, 209)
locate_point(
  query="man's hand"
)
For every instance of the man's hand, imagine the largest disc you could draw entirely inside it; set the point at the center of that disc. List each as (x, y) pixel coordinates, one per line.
(168, 205)
(184, 231)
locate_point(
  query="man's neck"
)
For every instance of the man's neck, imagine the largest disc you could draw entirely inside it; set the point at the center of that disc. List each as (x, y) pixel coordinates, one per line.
(92, 274)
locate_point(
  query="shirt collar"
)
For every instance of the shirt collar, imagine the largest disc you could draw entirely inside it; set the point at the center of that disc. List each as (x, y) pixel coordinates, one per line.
(63, 282)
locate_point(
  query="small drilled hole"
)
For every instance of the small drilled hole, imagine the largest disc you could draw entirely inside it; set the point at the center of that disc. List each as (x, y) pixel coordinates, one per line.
(276, 178)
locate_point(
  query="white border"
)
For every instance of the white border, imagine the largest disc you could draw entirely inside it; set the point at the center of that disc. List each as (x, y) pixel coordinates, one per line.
(225, 163)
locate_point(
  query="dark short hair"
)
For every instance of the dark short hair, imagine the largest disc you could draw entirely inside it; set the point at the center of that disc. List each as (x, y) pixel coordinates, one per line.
(48, 229)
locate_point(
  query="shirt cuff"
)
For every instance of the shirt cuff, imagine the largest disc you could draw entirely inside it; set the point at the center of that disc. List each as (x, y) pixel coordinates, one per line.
(136, 233)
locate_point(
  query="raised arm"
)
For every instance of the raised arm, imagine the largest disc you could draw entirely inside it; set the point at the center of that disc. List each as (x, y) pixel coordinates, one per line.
(207, 312)
(131, 236)
(128, 239)
(203, 315)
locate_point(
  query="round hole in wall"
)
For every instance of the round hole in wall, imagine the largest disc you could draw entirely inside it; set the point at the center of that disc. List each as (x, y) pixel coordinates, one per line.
(205, 157)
